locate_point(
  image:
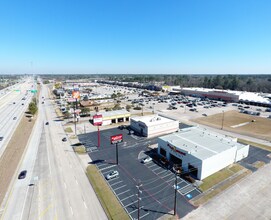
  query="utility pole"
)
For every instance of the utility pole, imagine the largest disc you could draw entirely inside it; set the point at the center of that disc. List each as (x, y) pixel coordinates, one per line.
(222, 120)
(175, 198)
(117, 154)
(138, 200)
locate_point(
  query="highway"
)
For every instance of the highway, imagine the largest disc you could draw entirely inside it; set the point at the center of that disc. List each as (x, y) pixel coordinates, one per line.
(11, 109)
(56, 186)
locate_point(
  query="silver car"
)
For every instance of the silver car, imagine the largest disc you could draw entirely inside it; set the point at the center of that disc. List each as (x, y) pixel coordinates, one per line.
(146, 160)
(112, 174)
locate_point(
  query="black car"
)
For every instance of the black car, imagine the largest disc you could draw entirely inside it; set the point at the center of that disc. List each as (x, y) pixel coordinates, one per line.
(64, 139)
(47, 123)
(22, 174)
(1, 138)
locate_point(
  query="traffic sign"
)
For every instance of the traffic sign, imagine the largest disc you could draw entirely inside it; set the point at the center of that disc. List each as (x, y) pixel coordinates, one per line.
(97, 120)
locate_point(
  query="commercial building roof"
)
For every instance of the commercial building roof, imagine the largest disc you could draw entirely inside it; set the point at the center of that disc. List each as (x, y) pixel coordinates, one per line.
(151, 120)
(200, 142)
(114, 113)
(243, 95)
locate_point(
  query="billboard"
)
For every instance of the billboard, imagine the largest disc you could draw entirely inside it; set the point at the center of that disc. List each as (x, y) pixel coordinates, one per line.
(116, 139)
(76, 94)
(97, 120)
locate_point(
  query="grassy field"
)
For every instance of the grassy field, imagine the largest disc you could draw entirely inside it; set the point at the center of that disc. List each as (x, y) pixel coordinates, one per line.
(219, 176)
(68, 130)
(108, 200)
(259, 129)
(203, 199)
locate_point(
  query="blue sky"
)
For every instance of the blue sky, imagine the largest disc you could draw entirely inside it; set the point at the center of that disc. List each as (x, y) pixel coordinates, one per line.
(135, 36)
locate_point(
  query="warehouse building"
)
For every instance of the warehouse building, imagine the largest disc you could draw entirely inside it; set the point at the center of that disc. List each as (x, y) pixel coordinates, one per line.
(200, 151)
(153, 125)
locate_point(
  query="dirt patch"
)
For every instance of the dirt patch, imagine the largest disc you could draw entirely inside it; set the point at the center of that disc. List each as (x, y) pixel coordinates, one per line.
(13, 153)
(260, 128)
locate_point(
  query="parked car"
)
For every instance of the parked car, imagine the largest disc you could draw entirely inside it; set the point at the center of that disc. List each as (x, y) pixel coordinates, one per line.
(47, 123)
(112, 174)
(64, 139)
(22, 174)
(14, 118)
(146, 160)
(1, 138)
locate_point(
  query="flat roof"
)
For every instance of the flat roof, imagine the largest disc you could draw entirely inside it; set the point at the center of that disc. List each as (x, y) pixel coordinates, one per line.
(150, 120)
(243, 95)
(200, 142)
(114, 113)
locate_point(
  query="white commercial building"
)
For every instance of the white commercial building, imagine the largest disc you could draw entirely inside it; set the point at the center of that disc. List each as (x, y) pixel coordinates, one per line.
(200, 151)
(153, 125)
(114, 117)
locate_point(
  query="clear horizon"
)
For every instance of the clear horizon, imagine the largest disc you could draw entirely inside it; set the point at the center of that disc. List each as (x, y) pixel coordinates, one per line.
(135, 37)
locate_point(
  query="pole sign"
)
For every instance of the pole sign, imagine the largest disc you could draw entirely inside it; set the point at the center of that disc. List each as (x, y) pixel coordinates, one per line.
(71, 100)
(76, 94)
(97, 120)
(116, 139)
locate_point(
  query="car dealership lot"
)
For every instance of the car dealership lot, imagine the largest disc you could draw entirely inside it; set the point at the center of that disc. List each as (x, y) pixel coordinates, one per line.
(157, 197)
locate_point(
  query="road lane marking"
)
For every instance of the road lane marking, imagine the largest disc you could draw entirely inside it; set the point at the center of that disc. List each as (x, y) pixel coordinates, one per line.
(123, 192)
(112, 179)
(127, 198)
(65, 185)
(170, 179)
(151, 165)
(85, 205)
(45, 211)
(119, 187)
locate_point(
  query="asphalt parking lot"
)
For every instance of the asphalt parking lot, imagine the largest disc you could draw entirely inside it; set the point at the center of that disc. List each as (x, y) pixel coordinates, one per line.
(255, 154)
(157, 183)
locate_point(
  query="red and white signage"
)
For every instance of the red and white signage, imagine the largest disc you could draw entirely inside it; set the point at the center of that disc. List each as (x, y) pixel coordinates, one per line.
(76, 94)
(97, 120)
(116, 139)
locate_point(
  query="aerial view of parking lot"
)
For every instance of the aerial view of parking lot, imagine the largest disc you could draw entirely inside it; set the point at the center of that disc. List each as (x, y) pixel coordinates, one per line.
(135, 110)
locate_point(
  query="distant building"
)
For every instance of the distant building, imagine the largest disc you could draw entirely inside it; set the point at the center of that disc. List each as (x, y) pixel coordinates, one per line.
(153, 125)
(200, 151)
(226, 95)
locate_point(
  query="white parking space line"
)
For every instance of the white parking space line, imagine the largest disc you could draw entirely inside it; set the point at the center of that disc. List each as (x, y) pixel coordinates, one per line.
(156, 169)
(164, 171)
(170, 179)
(189, 191)
(167, 175)
(127, 197)
(119, 187)
(130, 204)
(151, 165)
(144, 215)
(132, 211)
(107, 167)
(112, 179)
(116, 183)
(103, 164)
(123, 192)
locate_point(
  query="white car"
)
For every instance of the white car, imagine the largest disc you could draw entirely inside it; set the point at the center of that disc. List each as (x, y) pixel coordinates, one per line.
(112, 174)
(146, 160)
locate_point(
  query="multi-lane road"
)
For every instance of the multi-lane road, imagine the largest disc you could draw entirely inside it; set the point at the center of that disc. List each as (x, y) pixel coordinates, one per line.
(56, 186)
(12, 108)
